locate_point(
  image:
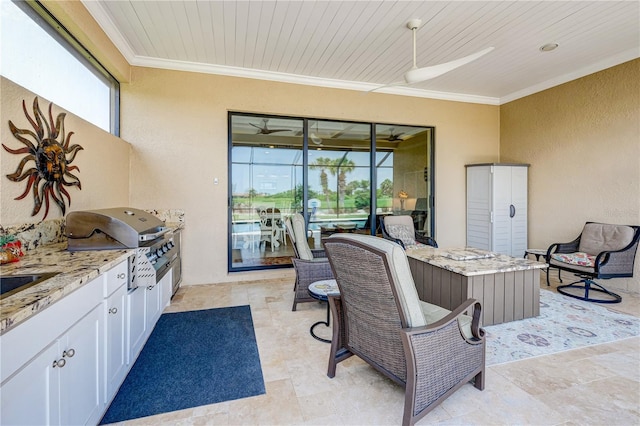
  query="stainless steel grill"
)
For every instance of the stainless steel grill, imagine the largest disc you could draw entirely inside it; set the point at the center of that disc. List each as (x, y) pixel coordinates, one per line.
(123, 227)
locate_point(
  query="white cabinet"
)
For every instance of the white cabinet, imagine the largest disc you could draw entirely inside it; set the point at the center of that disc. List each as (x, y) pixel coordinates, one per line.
(66, 363)
(31, 397)
(154, 298)
(137, 318)
(81, 394)
(145, 305)
(61, 385)
(115, 314)
(497, 207)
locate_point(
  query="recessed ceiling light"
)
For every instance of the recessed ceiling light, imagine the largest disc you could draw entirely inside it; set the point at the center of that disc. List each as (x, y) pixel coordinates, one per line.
(548, 47)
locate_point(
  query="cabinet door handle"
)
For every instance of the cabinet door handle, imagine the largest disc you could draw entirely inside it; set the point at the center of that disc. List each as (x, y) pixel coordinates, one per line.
(121, 275)
(150, 287)
(69, 353)
(113, 310)
(512, 210)
(59, 363)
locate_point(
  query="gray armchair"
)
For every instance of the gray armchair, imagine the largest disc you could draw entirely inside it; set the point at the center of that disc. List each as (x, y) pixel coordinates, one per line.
(601, 251)
(310, 265)
(378, 316)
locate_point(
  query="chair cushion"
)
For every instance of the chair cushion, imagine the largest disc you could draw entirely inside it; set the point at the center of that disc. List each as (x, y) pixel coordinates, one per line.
(433, 313)
(599, 237)
(578, 258)
(300, 232)
(402, 232)
(399, 265)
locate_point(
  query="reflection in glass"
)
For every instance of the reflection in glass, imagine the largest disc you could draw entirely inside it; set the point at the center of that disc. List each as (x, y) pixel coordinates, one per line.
(339, 178)
(266, 188)
(404, 185)
(273, 175)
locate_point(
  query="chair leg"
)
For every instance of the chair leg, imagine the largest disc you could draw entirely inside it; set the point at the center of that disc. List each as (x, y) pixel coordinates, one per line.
(548, 283)
(589, 286)
(478, 380)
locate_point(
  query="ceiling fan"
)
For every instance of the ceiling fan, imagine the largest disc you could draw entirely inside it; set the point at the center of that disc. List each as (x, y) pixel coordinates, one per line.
(418, 75)
(393, 137)
(264, 130)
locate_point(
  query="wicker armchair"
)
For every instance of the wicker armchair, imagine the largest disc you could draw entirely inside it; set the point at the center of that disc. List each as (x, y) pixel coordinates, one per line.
(377, 316)
(401, 230)
(600, 251)
(310, 265)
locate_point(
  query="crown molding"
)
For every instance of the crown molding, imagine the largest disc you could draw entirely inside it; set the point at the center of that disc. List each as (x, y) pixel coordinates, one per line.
(106, 23)
(109, 27)
(627, 55)
(144, 61)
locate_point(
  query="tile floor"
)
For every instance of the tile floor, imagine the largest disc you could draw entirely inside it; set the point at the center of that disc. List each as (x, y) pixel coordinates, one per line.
(597, 385)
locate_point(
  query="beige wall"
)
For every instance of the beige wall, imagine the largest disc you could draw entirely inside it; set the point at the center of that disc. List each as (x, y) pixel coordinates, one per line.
(103, 163)
(177, 125)
(582, 140)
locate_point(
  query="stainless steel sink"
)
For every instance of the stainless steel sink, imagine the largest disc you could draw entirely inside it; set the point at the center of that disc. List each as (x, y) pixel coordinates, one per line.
(12, 284)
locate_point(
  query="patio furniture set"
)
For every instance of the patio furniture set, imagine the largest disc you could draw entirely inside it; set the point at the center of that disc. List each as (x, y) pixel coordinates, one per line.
(414, 312)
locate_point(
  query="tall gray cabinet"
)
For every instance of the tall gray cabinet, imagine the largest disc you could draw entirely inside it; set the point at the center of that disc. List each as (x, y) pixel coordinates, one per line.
(497, 207)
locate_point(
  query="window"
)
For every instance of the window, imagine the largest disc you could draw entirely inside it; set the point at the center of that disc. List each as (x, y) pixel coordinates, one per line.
(341, 176)
(41, 56)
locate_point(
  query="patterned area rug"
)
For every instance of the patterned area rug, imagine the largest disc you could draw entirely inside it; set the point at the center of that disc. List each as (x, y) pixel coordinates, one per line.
(564, 323)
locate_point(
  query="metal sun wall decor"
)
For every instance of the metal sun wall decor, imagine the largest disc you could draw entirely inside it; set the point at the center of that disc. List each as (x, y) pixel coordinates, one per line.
(52, 156)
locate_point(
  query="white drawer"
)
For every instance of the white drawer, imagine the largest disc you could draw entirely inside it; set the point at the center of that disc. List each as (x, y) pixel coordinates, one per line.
(115, 278)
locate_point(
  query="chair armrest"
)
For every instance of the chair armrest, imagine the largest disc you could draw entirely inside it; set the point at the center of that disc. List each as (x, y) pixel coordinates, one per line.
(616, 262)
(439, 359)
(476, 331)
(570, 247)
(426, 240)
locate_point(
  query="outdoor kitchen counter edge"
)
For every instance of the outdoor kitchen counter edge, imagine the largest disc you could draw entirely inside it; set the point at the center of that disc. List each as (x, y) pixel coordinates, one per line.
(75, 270)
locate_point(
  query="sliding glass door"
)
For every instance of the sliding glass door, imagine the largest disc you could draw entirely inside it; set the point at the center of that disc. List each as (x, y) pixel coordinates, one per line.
(341, 176)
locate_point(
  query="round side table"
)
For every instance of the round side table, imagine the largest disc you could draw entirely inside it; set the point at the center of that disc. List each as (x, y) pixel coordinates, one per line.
(319, 290)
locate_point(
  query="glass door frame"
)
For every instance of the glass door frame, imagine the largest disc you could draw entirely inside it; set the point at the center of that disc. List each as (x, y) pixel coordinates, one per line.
(305, 176)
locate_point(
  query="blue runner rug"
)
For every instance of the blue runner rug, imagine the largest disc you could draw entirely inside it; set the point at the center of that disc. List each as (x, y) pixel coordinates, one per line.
(191, 359)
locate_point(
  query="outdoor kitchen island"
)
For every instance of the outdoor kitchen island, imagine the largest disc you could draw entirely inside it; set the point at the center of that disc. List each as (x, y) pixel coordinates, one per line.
(507, 287)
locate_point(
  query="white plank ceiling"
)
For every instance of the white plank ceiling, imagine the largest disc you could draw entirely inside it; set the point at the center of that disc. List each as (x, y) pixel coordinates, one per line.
(363, 44)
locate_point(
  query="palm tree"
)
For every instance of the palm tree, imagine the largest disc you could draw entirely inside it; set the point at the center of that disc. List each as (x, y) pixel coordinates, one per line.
(323, 163)
(341, 167)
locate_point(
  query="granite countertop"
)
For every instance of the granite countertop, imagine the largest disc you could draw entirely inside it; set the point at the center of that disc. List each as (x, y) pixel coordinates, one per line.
(75, 270)
(472, 261)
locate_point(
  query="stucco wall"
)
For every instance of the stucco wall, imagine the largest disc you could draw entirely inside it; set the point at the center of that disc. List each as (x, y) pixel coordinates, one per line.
(103, 163)
(582, 140)
(177, 125)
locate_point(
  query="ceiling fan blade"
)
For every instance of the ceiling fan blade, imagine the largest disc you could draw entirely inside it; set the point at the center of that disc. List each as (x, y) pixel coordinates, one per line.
(418, 75)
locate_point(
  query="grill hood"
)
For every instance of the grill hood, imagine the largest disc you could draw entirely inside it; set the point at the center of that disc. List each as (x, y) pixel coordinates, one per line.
(115, 228)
